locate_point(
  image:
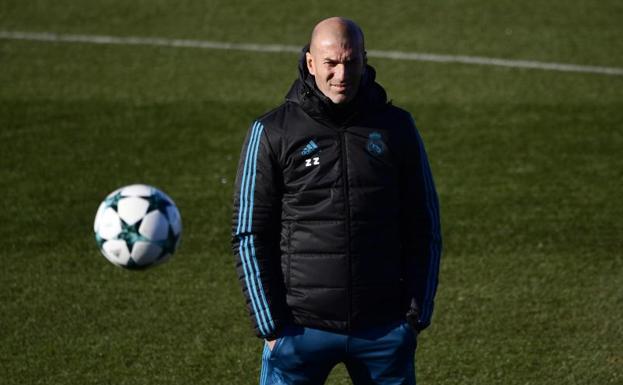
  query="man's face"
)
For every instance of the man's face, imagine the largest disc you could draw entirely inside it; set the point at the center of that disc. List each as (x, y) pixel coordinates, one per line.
(337, 66)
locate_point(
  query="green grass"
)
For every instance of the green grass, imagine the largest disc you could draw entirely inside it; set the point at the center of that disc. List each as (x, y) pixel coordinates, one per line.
(527, 163)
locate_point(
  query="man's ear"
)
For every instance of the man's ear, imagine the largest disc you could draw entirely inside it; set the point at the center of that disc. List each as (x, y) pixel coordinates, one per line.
(309, 60)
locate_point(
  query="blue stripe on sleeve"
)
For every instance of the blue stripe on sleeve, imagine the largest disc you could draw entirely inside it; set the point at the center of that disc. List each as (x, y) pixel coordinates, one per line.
(266, 314)
(244, 188)
(260, 127)
(251, 284)
(247, 246)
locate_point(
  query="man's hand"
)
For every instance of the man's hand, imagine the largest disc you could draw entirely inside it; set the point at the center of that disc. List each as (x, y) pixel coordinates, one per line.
(271, 344)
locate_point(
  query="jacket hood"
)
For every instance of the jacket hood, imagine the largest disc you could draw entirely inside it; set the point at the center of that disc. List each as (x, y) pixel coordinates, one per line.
(305, 93)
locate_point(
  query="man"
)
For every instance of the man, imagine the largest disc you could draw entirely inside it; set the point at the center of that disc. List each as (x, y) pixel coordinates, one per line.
(336, 223)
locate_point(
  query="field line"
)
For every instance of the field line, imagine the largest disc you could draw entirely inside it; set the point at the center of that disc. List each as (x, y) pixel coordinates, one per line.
(396, 55)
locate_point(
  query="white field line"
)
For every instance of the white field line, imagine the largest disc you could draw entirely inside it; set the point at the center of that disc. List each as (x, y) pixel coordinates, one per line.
(396, 55)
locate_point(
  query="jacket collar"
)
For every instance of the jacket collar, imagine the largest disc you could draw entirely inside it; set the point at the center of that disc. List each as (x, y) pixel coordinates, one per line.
(306, 94)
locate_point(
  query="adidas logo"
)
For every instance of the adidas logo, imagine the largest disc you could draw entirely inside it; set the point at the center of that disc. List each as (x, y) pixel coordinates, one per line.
(309, 148)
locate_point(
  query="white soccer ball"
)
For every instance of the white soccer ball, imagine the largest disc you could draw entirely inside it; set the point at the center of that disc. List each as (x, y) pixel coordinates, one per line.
(137, 226)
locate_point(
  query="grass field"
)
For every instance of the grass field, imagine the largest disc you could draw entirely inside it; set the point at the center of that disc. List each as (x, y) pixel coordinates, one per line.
(528, 164)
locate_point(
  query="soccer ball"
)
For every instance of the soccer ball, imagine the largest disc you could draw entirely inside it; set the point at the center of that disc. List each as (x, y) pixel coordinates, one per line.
(137, 226)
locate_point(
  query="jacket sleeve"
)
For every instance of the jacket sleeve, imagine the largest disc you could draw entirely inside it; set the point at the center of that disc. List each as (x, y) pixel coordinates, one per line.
(421, 231)
(256, 232)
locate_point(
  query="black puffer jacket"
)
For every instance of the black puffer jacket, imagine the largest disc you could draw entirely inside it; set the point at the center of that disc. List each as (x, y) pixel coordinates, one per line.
(335, 221)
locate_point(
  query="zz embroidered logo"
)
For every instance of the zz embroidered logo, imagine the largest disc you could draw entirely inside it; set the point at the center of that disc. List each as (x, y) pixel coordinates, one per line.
(315, 161)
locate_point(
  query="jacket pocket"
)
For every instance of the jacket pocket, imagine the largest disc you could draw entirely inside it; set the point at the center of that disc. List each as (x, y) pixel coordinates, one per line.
(278, 343)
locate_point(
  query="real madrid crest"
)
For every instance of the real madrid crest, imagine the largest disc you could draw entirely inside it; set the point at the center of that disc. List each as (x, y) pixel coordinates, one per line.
(375, 144)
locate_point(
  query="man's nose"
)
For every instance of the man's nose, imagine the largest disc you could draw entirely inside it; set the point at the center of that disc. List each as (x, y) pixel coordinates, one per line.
(340, 72)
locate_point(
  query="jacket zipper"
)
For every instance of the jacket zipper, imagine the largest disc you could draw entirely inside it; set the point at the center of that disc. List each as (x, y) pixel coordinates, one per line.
(347, 222)
(289, 257)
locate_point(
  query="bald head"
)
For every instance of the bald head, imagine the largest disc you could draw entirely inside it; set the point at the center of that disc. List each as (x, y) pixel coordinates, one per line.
(336, 29)
(337, 58)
